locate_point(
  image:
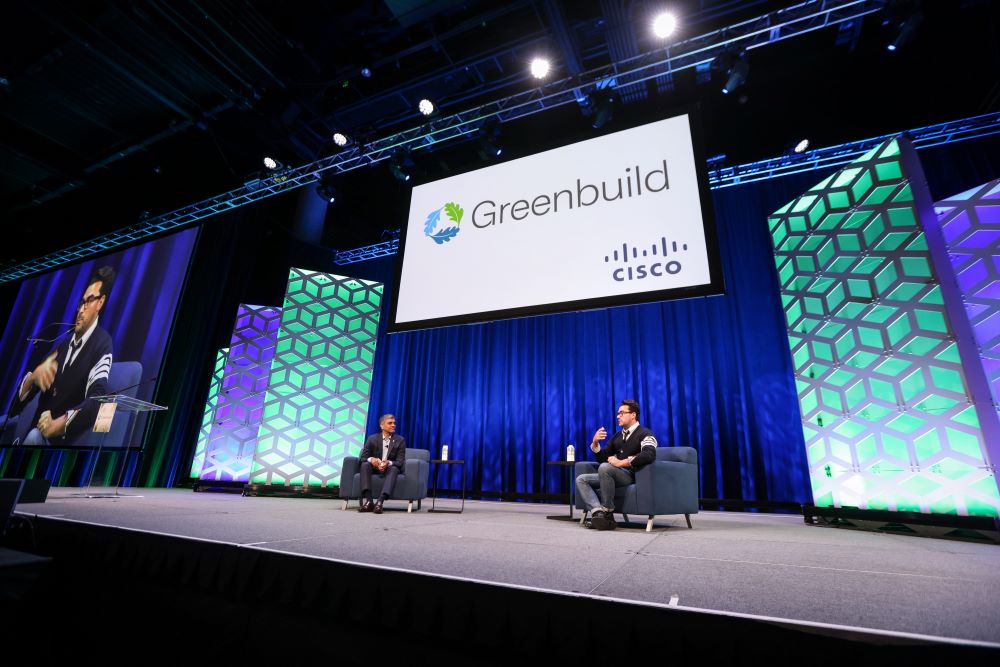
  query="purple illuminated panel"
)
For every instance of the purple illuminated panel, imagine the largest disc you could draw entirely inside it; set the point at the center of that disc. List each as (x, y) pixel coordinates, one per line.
(233, 436)
(970, 222)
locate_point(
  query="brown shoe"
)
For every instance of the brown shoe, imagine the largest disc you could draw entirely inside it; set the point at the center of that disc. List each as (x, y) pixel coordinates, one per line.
(367, 506)
(378, 506)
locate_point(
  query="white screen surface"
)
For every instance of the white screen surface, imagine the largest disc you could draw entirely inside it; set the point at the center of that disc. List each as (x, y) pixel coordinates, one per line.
(612, 220)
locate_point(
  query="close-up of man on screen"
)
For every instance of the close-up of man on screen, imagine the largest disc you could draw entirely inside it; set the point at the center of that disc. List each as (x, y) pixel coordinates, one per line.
(72, 373)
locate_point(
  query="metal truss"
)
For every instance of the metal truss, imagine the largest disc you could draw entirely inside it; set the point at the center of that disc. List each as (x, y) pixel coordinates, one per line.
(785, 165)
(777, 26)
(835, 156)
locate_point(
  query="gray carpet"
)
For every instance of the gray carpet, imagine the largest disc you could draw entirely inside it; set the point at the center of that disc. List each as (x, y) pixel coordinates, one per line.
(767, 565)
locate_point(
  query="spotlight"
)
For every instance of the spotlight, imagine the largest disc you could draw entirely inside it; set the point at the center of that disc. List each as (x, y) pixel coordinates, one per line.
(736, 75)
(426, 107)
(601, 107)
(366, 72)
(540, 68)
(801, 146)
(664, 25)
(489, 139)
(272, 164)
(340, 139)
(327, 191)
(400, 164)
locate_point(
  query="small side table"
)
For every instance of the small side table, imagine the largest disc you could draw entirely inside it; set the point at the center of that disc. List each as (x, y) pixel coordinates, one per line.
(570, 466)
(450, 462)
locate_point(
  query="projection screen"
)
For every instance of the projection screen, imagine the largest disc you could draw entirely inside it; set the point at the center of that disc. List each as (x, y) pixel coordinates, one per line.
(620, 219)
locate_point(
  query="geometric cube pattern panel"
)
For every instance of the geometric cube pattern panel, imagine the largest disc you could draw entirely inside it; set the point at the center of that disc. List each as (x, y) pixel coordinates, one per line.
(214, 387)
(316, 407)
(886, 410)
(970, 222)
(232, 437)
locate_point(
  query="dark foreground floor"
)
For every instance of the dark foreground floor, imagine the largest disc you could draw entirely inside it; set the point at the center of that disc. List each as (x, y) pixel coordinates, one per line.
(503, 579)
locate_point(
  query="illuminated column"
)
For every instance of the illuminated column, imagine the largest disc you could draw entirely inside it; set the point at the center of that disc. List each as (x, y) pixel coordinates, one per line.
(316, 407)
(209, 415)
(233, 435)
(891, 404)
(970, 222)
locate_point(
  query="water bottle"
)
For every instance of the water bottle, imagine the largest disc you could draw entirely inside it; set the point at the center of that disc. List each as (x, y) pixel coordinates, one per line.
(570, 453)
(444, 452)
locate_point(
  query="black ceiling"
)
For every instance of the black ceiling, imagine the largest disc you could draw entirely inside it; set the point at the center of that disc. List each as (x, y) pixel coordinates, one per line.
(111, 109)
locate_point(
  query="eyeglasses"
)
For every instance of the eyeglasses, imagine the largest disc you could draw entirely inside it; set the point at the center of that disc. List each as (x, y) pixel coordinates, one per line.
(87, 300)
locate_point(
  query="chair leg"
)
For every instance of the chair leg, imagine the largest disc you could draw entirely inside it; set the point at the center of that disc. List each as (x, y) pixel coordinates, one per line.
(688, 517)
(625, 516)
(418, 504)
(409, 507)
(344, 506)
(649, 524)
(584, 517)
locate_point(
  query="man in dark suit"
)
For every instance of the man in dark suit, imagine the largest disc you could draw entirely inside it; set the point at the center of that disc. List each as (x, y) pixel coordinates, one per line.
(629, 450)
(72, 373)
(384, 454)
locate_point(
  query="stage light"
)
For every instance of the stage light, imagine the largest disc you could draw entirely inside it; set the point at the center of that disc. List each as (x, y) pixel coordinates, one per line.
(426, 107)
(602, 105)
(801, 146)
(327, 191)
(366, 72)
(664, 25)
(540, 68)
(736, 76)
(271, 163)
(489, 139)
(340, 139)
(400, 164)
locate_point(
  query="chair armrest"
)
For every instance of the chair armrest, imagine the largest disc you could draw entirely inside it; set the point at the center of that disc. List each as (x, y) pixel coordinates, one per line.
(349, 467)
(584, 468)
(667, 487)
(420, 470)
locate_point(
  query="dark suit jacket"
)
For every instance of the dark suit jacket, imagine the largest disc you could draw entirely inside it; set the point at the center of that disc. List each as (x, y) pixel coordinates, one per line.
(74, 386)
(643, 455)
(397, 450)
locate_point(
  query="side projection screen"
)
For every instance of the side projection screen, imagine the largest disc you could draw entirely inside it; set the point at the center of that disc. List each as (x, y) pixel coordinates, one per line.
(620, 219)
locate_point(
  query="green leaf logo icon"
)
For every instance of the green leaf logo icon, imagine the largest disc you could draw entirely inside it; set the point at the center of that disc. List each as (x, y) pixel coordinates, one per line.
(454, 212)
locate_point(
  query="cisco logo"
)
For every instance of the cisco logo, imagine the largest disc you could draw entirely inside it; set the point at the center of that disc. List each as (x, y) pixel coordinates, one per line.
(658, 260)
(442, 225)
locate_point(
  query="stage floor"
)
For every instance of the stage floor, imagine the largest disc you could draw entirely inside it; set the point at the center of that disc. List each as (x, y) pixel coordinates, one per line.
(764, 565)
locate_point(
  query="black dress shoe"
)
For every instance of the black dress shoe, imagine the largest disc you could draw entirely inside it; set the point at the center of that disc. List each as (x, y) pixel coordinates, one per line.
(367, 506)
(378, 506)
(603, 520)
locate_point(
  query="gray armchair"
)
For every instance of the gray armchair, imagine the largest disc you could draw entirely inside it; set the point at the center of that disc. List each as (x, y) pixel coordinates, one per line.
(669, 485)
(410, 486)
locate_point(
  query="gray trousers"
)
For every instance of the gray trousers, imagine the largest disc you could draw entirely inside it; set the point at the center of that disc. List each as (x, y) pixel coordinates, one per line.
(366, 479)
(607, 479)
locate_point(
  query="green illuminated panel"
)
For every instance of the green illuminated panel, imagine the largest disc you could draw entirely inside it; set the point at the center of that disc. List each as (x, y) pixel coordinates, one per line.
(885, 404)
(316, 406)
(209, 415)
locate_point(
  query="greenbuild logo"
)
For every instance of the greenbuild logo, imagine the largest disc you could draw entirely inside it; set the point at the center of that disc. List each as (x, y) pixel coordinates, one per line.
(441, 231)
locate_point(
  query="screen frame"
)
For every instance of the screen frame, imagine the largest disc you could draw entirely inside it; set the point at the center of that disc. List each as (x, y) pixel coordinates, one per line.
(715, 287)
